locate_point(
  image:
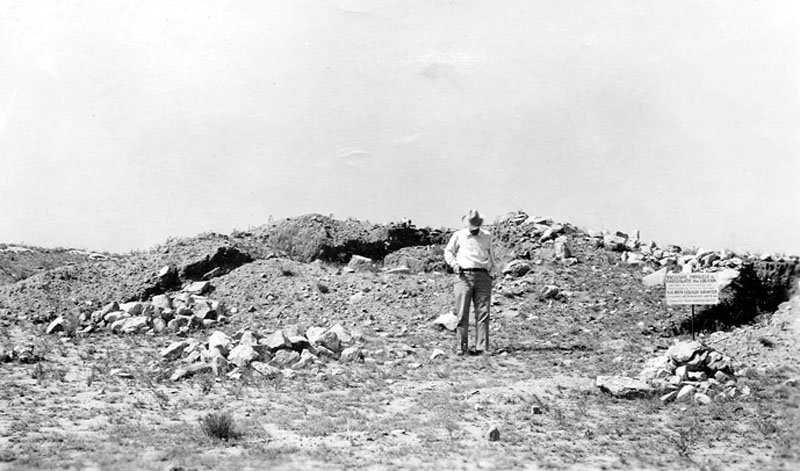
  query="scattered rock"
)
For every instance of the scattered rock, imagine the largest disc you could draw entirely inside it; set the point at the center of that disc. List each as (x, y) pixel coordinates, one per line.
(191, 370)
(437, 352)
(218, 340)
(284, 358)
(242, 355)
(276, 341)
(56, 326)
(198, 287)
(174, 350)
(351, 354)
(448, 321)
(359, 263)
(624, 387)
(517, 268)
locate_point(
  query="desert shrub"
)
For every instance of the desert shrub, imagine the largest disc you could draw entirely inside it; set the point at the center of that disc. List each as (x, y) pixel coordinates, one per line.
(220, 425)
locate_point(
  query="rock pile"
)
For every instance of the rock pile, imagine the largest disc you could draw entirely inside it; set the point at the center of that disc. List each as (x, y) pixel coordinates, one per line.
(688, 372)
(180, 312)
(20, 354)
(279, 353)
(691, 371)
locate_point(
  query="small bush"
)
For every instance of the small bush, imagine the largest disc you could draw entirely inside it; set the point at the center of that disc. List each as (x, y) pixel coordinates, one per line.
(220, 426)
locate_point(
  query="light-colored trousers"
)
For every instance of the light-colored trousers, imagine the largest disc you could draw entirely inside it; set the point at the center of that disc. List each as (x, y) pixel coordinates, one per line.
(473, 288)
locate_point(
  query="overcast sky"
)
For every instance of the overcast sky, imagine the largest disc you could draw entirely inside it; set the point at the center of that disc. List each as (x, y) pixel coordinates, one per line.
(123, 123)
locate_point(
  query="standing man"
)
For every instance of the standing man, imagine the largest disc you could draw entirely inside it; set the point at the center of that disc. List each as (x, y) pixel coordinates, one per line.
(469, 253)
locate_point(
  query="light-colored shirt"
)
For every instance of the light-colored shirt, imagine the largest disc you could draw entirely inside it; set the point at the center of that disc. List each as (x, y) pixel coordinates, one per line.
(470, 251)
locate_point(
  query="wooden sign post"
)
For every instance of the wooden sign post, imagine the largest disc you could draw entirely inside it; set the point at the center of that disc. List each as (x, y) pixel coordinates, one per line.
(691, 288)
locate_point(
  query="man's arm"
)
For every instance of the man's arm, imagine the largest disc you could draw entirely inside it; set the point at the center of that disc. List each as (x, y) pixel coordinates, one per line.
(492, 261)
(450, 252)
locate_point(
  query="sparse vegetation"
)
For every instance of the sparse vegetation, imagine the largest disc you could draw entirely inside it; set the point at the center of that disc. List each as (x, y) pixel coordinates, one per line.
(220, 425)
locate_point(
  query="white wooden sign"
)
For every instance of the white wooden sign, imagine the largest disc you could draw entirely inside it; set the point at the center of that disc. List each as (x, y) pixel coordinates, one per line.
(692, 288)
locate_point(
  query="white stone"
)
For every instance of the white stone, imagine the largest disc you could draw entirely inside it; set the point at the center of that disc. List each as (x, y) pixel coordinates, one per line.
(220, 341)
(314, 333)
(437, 352)
(198, 287)
(655, 278)
(132, 308)
(276, 341)
(686, 393)
(449, 321)
(357, 262)
(242, 355)
(342, 333)
(682, 352)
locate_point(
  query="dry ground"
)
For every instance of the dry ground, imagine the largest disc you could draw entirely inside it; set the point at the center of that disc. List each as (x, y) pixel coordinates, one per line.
(104, 401)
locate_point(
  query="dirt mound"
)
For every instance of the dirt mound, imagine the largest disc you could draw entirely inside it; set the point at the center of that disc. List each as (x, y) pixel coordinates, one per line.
(316, 237)
(577, 311)
(18, 262)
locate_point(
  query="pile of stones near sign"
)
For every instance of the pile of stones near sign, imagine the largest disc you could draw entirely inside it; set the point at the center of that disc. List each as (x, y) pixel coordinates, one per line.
(180, 312)
(687, 372)
(279, 354)
(691, 371)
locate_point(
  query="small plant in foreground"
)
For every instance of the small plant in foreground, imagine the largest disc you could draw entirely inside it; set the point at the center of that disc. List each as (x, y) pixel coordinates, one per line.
(220, 425)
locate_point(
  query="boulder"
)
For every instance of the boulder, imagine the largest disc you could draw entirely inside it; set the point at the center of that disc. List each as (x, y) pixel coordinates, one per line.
(114, 316)
(56, 326)
(132, 309)
(551, 232)
(266, 370)
(623, 386)
(682, 352)
(204, 310)
(437, 352)
(110, 307)
(686, 393)
(655, 278)
(131, 325)
(493, 434)
(161, 301)
(174, 350)
(306, 358)
(276, 341)
(517, 268)
(549, 292)
(248, 338)
(178, 322)
(562, 248)
(614, 242)
(351, 354)
(284, 358)
(191, 370)
(221, 342)
(703, 399)
(198, 287)
(330, 341)
(448, 321)
(342, 333)
(359, 263)
(314, 333)
(242, 355)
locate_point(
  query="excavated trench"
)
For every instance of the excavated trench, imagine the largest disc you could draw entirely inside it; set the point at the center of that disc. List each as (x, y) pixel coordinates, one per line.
(758, 291)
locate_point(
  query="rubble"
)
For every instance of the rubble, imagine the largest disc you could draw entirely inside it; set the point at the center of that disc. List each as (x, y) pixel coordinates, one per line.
(267, 354)
(178, 312)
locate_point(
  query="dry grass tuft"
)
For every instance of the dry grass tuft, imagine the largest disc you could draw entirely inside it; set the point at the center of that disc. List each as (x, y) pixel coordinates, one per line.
(220, 425)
